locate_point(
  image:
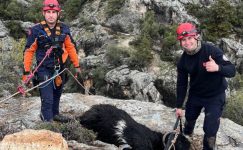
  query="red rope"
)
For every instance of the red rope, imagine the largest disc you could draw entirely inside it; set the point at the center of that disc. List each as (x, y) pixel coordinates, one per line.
(21, 90)
(48, 52)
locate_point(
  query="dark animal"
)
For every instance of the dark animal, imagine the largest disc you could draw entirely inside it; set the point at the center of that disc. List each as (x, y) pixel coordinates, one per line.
(115, 126)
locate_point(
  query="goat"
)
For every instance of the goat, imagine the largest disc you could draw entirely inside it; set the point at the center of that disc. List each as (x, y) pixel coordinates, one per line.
(115, 126)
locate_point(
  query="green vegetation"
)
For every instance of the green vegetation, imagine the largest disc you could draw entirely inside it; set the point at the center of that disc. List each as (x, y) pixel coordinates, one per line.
(238, 24)
(142, 55)
(150, 30)
(13, 10)
(72, 8)
(114, 7)
(70, 131)
(115, 55)
(99, 76)
(234, 108)
(234, 104)
(10, 68)
(220, 20)
(169, 43)
(34, 13)
(15, 29)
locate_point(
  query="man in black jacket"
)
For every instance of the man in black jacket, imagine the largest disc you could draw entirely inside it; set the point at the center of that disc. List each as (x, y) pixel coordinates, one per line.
(206, 66)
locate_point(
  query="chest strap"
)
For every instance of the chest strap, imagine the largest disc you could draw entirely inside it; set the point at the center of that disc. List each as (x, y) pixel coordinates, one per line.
(47, 29)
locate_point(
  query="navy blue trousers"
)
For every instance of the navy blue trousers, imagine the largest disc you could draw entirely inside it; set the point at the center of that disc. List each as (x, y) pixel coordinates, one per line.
(213, 110)
(50, 95)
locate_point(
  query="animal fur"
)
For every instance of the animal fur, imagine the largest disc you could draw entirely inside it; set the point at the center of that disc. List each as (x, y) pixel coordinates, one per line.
(115, 126)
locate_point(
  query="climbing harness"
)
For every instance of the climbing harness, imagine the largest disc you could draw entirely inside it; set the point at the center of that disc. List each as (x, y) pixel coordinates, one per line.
(173, 135)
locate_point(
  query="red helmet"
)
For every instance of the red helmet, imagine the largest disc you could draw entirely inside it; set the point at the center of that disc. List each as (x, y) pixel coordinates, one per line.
(51, 5)
(186, 29)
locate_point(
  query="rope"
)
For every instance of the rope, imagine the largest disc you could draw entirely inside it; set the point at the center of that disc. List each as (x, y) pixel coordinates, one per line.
(75, 78)
(173, 136)
(52, 78)
(28, 90)
(48, 52)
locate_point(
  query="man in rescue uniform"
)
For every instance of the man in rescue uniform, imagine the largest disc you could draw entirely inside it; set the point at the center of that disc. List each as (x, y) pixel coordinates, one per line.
(50, 33)
(206, 66)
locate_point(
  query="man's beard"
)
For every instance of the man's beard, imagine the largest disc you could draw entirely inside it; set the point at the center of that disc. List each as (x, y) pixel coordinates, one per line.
(193, 52)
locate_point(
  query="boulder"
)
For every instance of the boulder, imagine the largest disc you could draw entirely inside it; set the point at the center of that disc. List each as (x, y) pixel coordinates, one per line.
(34, 140)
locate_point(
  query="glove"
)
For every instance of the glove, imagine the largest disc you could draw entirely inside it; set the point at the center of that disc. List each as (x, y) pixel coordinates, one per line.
(77, 71)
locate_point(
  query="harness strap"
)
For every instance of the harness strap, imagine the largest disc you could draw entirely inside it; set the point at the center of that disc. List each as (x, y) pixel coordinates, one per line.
(47, 29)
(58, 28)
(58, 59)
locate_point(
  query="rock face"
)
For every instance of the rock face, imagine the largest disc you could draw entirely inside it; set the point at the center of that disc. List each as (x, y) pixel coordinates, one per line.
(132, 84)
(234, 52)
(34, 140)
(3, 30)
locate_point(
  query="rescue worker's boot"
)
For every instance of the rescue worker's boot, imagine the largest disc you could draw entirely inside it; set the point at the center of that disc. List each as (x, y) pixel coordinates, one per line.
(61, 118)
(189, 127)
(209, 143)
(45, 120)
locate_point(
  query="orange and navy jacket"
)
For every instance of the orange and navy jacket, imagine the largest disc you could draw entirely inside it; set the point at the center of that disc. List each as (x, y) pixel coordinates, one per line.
(38, 42)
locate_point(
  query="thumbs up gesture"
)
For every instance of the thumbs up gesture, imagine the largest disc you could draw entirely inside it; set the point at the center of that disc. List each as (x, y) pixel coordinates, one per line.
(211, 65)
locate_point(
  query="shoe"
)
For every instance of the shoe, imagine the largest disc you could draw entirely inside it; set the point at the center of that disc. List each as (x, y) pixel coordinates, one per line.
(61, 118)
(209, 143)
(44, 120)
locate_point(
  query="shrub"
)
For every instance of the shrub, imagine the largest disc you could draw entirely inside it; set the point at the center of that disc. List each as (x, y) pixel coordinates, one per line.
(114, 7)
(15, 29)
(10, 68)
(234, 108)
(150, 30)
(14, 10)
(217, 21)
(149, 26)
(34, 13)
(238, 22)
(72, 8)
(99, 78)
(70, 131)
(3, 5)
(234, 104)
(141, 57)
(115, 55)
(169, 43)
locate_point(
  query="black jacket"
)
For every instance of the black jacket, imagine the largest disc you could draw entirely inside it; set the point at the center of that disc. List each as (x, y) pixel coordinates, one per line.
(202, 83)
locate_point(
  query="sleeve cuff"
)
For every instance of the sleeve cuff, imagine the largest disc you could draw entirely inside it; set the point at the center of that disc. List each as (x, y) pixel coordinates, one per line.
(26, 73)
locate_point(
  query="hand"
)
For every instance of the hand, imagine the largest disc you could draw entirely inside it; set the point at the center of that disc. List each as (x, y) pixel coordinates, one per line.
(25, 79)
(179, 112)
(77, 71)
(211, 65)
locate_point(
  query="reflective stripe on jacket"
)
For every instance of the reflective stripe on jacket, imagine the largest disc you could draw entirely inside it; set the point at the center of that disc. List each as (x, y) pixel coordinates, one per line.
(38, 42)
